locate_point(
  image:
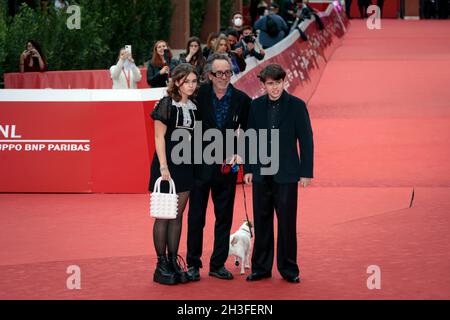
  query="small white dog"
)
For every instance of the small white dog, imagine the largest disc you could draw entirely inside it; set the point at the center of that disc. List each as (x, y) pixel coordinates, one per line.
(241, 245)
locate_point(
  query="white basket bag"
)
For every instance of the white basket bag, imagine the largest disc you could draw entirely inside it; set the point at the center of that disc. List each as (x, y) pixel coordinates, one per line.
(164, 205)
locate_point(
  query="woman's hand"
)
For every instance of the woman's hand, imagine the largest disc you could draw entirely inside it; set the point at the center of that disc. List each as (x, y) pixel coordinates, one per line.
(192, 52)
(35, 53)
(124, 55)
(25, 54)
(165, 174)
(164, 70)
(189, 56)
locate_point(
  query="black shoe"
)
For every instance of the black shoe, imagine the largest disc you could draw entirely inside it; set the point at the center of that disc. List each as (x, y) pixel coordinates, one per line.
(193, 274)
(295, 279)
(255, 276)
(164, 273)
(179, 267)
(221, 273)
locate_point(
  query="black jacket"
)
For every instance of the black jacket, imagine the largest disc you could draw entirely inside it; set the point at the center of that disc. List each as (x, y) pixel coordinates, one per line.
(294, 127)
(237, 116)
(157, 80)
(154, 78)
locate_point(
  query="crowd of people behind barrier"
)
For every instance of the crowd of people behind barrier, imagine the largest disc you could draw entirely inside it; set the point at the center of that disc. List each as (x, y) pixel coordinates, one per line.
(238, 41)
(268, 25)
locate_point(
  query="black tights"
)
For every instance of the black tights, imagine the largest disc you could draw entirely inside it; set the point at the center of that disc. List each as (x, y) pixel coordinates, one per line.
(167, 232)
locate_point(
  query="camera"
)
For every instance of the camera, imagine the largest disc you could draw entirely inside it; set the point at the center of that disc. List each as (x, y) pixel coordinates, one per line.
(249, 39)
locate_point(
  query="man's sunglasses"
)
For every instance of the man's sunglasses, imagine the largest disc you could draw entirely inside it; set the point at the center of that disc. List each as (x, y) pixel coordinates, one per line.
(220, 74)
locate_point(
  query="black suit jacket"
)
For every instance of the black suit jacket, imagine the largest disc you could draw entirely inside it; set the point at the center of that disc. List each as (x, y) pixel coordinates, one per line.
(294, 127)
(237, 116)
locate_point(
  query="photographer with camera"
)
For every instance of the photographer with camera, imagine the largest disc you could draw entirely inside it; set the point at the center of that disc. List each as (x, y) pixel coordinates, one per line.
(32, 59)
(249, 44)
(235, 51)
(125, 74)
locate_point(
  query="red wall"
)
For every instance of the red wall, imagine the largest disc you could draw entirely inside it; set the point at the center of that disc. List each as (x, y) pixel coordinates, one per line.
(118, 159)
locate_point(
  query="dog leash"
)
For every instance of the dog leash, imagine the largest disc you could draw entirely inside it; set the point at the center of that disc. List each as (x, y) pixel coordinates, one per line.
(245, 208)
(228, 168)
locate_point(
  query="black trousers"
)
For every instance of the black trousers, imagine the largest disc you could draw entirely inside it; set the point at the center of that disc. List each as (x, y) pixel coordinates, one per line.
(380, 3)
(348, 4)
(222, 193)
(267, 196)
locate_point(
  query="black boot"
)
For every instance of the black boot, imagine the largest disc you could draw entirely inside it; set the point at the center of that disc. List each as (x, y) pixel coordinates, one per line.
(180, 270)
(164, 273)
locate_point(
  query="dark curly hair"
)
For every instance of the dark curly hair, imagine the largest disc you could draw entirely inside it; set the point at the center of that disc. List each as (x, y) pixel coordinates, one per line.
(180, 72)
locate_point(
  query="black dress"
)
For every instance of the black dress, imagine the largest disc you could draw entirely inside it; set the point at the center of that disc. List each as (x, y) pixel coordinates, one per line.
(174, 115)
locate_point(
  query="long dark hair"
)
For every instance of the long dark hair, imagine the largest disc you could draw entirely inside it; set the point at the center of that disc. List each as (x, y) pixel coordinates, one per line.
(197, 59)
(180, 72)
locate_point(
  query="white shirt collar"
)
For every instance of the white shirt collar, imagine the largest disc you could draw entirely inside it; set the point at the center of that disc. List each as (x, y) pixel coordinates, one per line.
(188, 105)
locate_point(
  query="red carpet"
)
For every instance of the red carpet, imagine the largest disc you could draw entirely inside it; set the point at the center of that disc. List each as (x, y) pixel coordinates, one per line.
(381, 125)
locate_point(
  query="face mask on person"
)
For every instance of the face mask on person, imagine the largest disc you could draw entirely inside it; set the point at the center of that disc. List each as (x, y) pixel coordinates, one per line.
(238, 22)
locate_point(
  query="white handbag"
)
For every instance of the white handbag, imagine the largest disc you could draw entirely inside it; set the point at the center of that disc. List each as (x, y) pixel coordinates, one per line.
(164, 205)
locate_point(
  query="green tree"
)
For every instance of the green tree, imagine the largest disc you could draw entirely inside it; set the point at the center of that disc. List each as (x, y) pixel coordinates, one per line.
(226, 7)
(106, 26)
(3, 30)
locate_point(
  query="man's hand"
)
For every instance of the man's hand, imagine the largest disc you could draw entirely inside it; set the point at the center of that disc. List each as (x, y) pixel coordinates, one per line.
(248, 178)
(304, 182)
(236, 159)
(250, 46)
